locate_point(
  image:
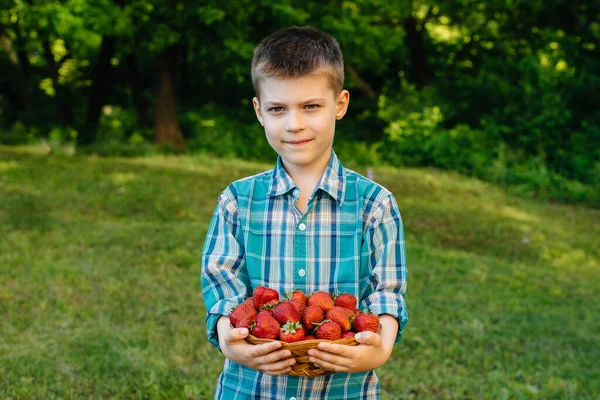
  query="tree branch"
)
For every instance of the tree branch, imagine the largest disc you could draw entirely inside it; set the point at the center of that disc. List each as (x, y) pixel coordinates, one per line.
(362, 85)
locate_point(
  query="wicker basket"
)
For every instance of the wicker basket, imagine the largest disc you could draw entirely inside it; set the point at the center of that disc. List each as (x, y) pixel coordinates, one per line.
(299, 351)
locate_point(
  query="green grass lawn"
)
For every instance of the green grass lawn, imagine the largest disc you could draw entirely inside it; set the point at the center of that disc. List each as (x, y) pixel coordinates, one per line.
(100, 291)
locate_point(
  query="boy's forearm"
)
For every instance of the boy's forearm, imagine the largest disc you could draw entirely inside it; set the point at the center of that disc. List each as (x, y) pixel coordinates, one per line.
(223, 325)
(388, 331)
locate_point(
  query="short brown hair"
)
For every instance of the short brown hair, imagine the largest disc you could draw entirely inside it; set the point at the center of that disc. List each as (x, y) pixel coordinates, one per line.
(298, 51)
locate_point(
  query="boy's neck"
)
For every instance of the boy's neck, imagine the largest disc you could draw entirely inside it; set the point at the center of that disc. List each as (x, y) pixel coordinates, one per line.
(307, 177)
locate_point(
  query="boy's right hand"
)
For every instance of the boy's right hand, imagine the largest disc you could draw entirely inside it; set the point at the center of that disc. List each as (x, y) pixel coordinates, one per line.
(261, 357)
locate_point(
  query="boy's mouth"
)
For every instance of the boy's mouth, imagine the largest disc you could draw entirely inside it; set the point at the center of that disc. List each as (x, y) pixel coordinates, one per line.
(298, 142)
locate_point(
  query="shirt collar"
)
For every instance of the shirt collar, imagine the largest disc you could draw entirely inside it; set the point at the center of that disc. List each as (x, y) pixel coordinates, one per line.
(333, 180)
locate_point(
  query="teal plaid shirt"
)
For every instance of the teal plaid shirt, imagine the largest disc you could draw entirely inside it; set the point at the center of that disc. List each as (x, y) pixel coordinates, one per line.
(351, 239)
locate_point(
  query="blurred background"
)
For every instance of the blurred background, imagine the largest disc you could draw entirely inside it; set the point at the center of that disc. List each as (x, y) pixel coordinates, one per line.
(122, 121)
(506, 91)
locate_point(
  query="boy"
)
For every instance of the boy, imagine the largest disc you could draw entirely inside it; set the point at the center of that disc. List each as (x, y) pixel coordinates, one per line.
(308, 224)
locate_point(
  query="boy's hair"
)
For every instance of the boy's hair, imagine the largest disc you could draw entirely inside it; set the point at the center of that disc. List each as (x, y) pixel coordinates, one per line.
(295, 52)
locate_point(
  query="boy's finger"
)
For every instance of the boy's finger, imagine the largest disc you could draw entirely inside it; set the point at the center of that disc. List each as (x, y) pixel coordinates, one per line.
(340, 349)
(262, 349)
(322, 356)
(278, 366)
(273, 356)
(330, 366)
(237, 334)
(368, 337)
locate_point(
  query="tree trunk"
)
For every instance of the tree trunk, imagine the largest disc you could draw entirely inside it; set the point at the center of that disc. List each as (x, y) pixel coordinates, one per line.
(362, 85)
(419, 69)
(166, 125)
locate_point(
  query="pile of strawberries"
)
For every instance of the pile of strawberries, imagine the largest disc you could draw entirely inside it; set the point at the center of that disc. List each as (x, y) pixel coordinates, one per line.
(300, 317)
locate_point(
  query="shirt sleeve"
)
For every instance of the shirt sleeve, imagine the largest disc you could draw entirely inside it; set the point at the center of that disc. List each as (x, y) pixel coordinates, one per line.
(384, 252)
(224, 278)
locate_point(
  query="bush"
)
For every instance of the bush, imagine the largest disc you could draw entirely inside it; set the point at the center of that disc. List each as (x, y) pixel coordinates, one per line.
(416, 136)
(355, 154)
(18, 133)
(222, 133)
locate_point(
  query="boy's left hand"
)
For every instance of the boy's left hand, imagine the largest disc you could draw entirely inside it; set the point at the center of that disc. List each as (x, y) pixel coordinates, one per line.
(372, 352)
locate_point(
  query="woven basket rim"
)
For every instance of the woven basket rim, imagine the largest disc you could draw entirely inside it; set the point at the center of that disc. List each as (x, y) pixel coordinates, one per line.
(309, 343)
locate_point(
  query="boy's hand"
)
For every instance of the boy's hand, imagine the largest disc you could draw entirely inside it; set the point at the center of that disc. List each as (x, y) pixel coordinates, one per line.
(261, 357)
(372, 351)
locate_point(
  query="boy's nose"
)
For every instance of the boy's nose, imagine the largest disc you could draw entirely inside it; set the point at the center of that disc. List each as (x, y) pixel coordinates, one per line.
(294, 122)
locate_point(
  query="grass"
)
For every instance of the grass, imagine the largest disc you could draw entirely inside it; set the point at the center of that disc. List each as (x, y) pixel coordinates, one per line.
(100, 294)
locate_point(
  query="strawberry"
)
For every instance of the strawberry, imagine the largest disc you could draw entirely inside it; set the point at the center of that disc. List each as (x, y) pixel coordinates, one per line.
(309, 337)
(292, 332)
(285, 312)
(339, 315)
(265, 326)
(269, 305)
(257, 295)
(348, 334)
(265, 296)
(321, 299)
(345, 300)
(366, 322)
(357, 312)
(299, 299)
(349, 313)
(243, 315)
(312, 315)
(246, 321)
(329, 330)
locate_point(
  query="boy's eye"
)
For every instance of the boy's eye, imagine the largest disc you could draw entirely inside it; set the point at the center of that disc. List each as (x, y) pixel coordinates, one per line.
(275, 109)
(312, 106)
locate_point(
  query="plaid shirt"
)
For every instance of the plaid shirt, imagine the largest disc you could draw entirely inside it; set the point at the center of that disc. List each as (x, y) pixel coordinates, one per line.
(351, 239)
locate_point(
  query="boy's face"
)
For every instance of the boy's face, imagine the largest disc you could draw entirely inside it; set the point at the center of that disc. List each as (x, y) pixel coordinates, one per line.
(299, 117)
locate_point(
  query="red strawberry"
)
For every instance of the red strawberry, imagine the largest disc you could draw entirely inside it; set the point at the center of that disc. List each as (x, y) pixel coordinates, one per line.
(366, 322)
(348, 335)
(292, 332)
(246, 322)
(257, 295)
(329, 330)
(311, 316)
(345, 300)
(265, 326)
(339, 315)
(285, 312)
(309, 337)
(243, 315)
(265, 296)
(357, 312)
(321, 299)
(269, 305)
(349, 313)
(299, 299)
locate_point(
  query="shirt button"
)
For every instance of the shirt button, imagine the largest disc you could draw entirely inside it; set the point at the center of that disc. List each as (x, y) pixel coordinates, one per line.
(296, 192)
(292, 398)
(302, 273)
(302, 227)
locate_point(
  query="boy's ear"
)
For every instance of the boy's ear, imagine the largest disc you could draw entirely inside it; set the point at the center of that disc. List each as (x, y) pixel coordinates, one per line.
(342, 104)
(256, 105)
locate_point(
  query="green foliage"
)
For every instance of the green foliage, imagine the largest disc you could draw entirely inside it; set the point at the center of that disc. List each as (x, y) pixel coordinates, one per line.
(225, 134)
(119, 124)
(358, 153)
(445, 84)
